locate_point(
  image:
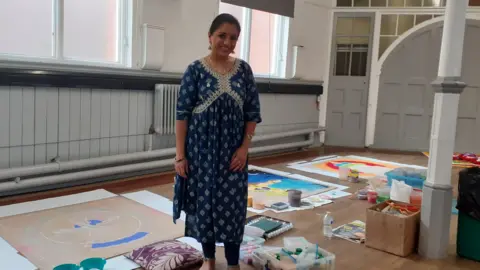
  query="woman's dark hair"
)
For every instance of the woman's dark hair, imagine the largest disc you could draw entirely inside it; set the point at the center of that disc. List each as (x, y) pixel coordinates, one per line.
(221, 19)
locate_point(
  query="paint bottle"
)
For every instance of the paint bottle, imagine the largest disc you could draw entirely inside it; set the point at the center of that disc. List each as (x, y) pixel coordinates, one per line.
(327, 225)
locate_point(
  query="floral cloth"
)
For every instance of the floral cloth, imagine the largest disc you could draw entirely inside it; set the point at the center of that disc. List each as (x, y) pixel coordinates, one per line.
(167, 255)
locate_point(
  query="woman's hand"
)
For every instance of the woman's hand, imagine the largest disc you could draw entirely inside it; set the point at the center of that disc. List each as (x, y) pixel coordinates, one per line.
(181, 167)
(239, 159)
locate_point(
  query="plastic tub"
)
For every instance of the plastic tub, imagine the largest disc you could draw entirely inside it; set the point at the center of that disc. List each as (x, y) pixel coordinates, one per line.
(267, 259)
(67, 266)
(292, 243)
(93, 264)
(410, 176)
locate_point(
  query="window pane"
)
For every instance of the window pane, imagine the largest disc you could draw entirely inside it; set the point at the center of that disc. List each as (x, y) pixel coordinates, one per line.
(90, 30)
(384, 43)
(432, 3)
(422, 18)
(342, 62)
(361, 26)
(344, 3)
(378, 3)
(26, 27)
(413, 3)
(236, 11)
(389, 25)
(262, 41)
(344, 26)
(359, 64)
(361, 3)
(396, 3)
(405, 22)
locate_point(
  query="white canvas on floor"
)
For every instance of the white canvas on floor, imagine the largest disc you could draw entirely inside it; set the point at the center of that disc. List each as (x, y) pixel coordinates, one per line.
(120, 263)
(15, 261)
(45, 204)
(154, 201)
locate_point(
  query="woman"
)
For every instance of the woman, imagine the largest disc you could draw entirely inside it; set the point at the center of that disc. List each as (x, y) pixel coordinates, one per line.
(217, 112)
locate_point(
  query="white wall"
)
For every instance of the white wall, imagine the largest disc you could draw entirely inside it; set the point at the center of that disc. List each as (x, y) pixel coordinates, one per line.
(311, 29)
(187, 23)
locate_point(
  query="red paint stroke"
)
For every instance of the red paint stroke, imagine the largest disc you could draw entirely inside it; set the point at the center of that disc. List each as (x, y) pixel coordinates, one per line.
(332, 164)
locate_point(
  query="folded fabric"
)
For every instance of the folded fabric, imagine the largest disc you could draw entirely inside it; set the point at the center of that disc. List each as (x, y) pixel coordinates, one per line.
(167, 255)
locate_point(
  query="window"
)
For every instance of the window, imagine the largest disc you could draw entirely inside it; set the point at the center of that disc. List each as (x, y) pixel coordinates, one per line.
(392, 3)
(394, 25)
(65, 31)
(263, 41)
(352, 38)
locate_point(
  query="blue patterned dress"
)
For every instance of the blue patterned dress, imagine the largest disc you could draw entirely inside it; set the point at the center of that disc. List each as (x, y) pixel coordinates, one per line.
(216, 107)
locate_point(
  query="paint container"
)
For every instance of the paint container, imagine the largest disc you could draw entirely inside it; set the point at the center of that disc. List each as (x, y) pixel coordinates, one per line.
(258, 200)
(362, 194)
(250, 201)
(353, 176)
(383, 194)
(67, 266)
(93, 264)
(372, 196)
(295, 197)
(343, 172)
(416, 197)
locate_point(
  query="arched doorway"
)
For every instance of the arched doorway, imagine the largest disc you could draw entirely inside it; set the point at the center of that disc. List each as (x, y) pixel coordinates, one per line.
(405, 99)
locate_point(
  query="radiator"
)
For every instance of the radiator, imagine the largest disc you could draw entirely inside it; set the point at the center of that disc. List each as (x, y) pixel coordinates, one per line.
(165, 108)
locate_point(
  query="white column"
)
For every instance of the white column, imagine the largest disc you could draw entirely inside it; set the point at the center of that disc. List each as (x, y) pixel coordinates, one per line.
(437, 198)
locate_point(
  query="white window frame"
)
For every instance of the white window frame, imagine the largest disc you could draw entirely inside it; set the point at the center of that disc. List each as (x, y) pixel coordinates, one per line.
(124, 30)
(279, 49)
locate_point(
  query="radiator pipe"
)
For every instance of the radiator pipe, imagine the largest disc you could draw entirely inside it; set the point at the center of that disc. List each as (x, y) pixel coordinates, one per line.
(84, 163)
(58, 167)
(96, 173)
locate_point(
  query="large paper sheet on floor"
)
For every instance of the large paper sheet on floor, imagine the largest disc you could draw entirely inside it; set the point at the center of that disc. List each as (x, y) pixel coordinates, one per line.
(367, 167)
(100, 228)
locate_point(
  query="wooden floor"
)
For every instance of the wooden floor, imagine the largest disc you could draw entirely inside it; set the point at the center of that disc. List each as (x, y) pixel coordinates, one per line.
(307, 223)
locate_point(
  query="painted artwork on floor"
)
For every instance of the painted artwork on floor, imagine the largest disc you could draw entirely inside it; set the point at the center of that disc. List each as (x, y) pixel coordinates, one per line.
(367, 167)
(103, 228)
(278, 185)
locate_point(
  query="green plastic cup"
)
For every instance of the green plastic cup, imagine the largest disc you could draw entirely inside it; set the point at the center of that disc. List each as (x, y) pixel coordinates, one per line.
(67, 266)
(93, 263)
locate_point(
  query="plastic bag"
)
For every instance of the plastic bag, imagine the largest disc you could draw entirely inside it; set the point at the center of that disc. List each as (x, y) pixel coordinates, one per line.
(468, 201)
(400, 191)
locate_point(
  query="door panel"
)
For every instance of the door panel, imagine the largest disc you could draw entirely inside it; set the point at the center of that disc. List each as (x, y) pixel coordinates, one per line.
(348, 82)
(405, 101)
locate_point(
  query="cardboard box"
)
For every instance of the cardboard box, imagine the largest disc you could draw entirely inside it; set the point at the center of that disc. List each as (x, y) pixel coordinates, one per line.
(393, 234)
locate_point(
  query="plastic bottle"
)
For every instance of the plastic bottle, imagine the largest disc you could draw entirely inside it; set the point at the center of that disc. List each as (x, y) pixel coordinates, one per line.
(327, 225)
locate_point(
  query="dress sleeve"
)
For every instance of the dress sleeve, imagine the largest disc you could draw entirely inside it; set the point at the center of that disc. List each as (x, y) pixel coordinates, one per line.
(251, 106)
(187, 97)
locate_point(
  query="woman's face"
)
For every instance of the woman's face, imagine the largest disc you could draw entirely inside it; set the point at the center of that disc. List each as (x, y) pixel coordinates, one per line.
(224, 39)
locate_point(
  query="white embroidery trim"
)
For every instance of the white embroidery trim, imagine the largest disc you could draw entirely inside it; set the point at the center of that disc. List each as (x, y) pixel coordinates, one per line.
(224, 87)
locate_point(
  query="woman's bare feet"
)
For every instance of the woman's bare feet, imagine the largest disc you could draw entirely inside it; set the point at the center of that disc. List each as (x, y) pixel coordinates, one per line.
(208, 264)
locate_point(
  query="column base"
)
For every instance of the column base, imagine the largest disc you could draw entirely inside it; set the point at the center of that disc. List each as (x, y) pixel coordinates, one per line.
(435, 221)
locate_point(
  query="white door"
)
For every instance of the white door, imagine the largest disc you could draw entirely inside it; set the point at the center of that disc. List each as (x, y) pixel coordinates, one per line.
(349, 77)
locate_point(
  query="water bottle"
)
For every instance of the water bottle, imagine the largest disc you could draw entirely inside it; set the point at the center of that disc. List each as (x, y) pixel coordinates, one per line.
(327, 225)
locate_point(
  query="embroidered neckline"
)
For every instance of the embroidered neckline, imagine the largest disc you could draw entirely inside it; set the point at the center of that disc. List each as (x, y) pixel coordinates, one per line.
(223, 87)
(219, 75)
